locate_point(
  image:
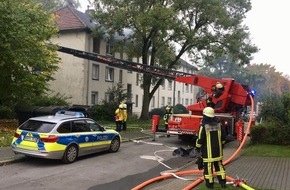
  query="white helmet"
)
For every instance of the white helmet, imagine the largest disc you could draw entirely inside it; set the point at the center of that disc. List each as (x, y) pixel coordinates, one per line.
(208, 111)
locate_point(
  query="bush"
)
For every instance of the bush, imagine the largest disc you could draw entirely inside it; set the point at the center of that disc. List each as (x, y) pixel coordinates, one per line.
(105, 112)
(6, 113)
(270, 134)
(157, 111)
(180, 109)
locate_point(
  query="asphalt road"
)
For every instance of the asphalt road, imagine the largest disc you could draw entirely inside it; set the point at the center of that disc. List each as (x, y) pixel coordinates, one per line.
(132, 165)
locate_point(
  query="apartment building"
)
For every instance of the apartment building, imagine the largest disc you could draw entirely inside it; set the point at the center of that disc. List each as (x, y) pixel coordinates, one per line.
(87, 82)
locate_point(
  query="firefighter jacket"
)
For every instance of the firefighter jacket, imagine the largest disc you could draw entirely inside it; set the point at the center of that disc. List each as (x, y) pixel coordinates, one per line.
(118, 115)
(123, 114)
(166, 117)
(211, 137)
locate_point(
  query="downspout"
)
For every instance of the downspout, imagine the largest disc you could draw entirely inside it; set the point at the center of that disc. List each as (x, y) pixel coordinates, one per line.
(88, 70)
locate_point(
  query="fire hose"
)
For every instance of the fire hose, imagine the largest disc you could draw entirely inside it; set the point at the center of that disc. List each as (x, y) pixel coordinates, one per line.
(236, 182)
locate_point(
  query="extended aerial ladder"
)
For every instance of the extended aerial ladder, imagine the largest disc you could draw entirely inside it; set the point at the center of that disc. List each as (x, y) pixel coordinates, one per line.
(124, 64)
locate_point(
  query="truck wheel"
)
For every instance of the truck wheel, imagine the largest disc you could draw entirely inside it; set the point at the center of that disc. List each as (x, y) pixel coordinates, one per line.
(70, 154)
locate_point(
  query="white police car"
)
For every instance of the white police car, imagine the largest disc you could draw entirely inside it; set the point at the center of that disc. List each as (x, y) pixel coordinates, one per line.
(65, 136)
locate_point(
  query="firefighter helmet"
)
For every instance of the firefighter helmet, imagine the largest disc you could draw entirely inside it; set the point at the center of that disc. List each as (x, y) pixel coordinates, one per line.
(218, 85)
(208, 111)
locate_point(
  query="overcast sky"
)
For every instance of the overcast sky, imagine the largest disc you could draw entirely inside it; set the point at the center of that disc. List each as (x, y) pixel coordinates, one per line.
(268, 23)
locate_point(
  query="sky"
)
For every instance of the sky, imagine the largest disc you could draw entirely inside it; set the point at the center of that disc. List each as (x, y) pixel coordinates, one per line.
(268, 23)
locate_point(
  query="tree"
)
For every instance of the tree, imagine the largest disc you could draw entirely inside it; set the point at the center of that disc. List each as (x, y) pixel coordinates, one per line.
(51, 5)
(162, 31)
(27, 61)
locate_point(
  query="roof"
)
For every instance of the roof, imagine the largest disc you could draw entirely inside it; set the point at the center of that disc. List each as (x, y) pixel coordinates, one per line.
(55, 118)
(68, 18)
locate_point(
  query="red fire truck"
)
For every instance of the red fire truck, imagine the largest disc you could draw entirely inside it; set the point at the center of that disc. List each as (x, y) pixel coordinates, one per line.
(229, 105)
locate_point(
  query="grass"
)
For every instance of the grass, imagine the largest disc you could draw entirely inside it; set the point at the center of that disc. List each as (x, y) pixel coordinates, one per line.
(263, 150)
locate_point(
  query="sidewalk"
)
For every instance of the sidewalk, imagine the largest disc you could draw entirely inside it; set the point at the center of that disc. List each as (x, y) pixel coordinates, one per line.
(259, 172)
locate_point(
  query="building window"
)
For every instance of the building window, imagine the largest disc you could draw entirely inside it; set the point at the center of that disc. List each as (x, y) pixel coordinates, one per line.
(169, 101)
(121, 76)
(170, 85)
(163, 85)
(162, 101)
(94, 98)
(109, 74)
(137, 79)
(153, 102)
(107, 97)
(129, 92)
(109, 48)
(96, 45)
(178, 97)
(136, 100)
(186, 101)
(186, 88)
(95, 72)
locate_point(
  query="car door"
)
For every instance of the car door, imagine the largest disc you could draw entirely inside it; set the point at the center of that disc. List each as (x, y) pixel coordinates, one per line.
(101, 138)
(84, 136)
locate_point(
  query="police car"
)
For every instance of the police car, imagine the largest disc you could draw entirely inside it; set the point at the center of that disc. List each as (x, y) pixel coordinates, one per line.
(65, 136)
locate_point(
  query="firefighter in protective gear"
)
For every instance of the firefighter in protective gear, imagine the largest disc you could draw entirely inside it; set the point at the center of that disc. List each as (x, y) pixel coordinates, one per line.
(219, 88)
(123, 114)
(167, 115)
(118, 119)
(211, 137)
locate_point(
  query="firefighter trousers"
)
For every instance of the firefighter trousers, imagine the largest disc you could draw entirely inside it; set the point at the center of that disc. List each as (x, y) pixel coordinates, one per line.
(219, 169)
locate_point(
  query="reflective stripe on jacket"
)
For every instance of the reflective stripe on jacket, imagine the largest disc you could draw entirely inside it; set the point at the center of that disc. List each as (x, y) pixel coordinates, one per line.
(211, 137)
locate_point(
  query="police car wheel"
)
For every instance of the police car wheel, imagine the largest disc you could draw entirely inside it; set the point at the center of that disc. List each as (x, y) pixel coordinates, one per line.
(115, 144)
(70, 154)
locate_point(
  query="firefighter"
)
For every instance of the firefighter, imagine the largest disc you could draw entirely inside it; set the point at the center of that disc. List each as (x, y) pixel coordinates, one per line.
(167, 116)
(118, 119)
(209, 102)
(219, 88)
(211, 137)
(124, 115)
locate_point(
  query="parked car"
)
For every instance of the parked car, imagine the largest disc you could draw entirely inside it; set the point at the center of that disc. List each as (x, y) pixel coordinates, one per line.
(65, 136)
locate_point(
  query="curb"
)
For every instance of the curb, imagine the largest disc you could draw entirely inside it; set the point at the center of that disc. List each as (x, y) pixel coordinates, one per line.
(12, 160)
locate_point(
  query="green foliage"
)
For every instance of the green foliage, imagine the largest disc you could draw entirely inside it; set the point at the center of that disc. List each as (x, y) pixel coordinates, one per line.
(51, 5)
(27, 61)
(116, 94)
(105, 112)
(275, 127)
(6, 112)
(276, 108)
(270, 133)
(55, 100)
(157, 111)
(179, 109)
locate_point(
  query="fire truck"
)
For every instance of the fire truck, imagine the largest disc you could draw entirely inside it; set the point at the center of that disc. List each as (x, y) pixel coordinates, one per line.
(229, 105)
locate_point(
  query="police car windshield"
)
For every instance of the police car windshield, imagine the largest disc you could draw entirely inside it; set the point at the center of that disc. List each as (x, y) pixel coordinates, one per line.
(37, 126)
